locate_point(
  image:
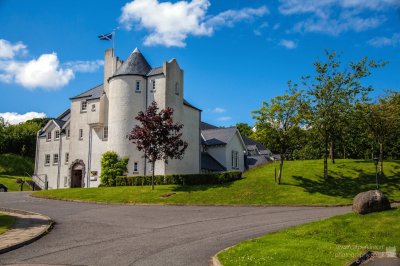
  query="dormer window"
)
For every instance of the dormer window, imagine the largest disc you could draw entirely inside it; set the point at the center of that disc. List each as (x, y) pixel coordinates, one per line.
(48, 138)
(137, 88)
(83, 106)
(57, 135)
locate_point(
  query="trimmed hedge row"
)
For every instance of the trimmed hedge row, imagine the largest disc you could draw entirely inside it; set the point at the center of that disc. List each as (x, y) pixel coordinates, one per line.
(190, 179)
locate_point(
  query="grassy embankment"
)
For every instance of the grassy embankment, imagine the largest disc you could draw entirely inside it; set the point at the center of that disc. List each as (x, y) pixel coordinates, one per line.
(302, 184)
(6, 222)
(334, 241)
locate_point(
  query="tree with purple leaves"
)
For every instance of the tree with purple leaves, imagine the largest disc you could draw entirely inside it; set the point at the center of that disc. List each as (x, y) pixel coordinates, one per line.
(158, 136)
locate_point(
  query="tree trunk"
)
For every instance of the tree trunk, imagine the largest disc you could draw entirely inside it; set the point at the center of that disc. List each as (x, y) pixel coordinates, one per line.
(332, 152)
(152, 174)
(326, 154)
(381, 159)
(275, 176)
(280, 170)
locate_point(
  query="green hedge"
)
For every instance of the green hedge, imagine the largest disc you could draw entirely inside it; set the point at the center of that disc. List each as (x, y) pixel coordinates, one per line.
(190, 179)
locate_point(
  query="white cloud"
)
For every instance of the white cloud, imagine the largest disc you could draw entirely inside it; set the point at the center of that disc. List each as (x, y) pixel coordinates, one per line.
(394, 40)
(9, 50)
(42, 72)
(84, 66)
(169, 24)
(218, 110)
(15, 118)
(230, 17)
(288, 44)
(336, 16)
(224, 118)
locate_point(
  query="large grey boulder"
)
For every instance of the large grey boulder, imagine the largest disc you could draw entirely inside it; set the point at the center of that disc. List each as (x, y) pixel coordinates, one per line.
(370, 201)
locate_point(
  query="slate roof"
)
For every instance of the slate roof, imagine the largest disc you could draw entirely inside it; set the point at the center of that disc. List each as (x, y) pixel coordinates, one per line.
(253, 161)
(205, 126)
(65, 115)
(209, 163)
(155, 71)
(135, 64)
(218, 136)
(93, 93)
(250, 142)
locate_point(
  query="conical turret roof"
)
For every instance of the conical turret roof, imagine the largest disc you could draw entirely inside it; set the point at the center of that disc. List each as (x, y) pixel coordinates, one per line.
(135, 64)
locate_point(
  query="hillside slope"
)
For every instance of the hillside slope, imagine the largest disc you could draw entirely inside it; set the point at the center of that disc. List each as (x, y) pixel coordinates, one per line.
(302, 184)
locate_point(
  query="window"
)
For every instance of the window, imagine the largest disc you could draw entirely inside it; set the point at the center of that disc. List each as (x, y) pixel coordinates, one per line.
(153, 83)
(135, 167)
(47, 159)
(83, 106)
(177, 88)
(55, 158)
(137, 85)
(66, 158)
(68, 133)
(235, 160)
(57, 135)
(105, 133)
(93, 107)
(48, 136)
(80, 133)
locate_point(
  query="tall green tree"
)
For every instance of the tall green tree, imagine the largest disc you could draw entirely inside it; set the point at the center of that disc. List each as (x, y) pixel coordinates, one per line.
(244, 129)
(281, 119)
(382, 120)
(333, 91)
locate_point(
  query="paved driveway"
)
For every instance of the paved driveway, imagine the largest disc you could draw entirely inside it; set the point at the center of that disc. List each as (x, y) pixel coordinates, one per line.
(100, 234)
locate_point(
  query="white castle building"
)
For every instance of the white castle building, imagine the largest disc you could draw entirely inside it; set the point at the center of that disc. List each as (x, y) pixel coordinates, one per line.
(69, 148)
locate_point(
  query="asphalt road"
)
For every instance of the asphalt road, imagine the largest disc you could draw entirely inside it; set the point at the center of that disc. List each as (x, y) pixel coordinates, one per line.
(100, 234)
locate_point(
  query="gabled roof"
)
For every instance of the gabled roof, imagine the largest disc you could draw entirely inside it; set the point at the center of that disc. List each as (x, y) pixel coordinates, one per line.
(65, 115)
(135, 64)
(93, 93)
(209, 163)
(205, 126)
(218, 136)
(251, 142)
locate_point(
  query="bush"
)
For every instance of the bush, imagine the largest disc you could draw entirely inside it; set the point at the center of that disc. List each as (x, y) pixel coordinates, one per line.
(188, 179)
(111, 167)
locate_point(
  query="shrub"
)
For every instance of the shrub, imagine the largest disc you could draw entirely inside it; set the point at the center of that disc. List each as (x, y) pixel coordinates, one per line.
(111, 167)
(188, 179)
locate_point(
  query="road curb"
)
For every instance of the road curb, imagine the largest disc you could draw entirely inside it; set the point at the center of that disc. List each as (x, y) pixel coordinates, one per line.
(214, 261)
(26, 241)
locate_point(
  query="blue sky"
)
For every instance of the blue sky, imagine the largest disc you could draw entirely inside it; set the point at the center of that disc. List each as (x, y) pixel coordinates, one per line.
(235, 53)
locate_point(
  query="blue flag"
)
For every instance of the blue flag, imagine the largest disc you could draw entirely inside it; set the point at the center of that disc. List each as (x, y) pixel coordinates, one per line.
(106, 37)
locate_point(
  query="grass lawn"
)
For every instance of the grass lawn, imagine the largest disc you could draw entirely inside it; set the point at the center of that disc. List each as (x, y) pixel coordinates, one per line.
(6, 222)
(302, 184)
(9, 182)
(334, 241)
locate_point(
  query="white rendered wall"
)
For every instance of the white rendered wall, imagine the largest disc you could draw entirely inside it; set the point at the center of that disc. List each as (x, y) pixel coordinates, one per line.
(124, 105)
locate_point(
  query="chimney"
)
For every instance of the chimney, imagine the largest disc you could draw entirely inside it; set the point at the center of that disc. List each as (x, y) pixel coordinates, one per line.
(110, 65)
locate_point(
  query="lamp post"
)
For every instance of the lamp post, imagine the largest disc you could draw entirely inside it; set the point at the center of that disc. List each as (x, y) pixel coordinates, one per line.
(376, 160)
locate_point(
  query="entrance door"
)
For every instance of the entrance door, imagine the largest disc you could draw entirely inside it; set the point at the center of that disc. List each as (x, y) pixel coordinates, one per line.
(76, 178)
